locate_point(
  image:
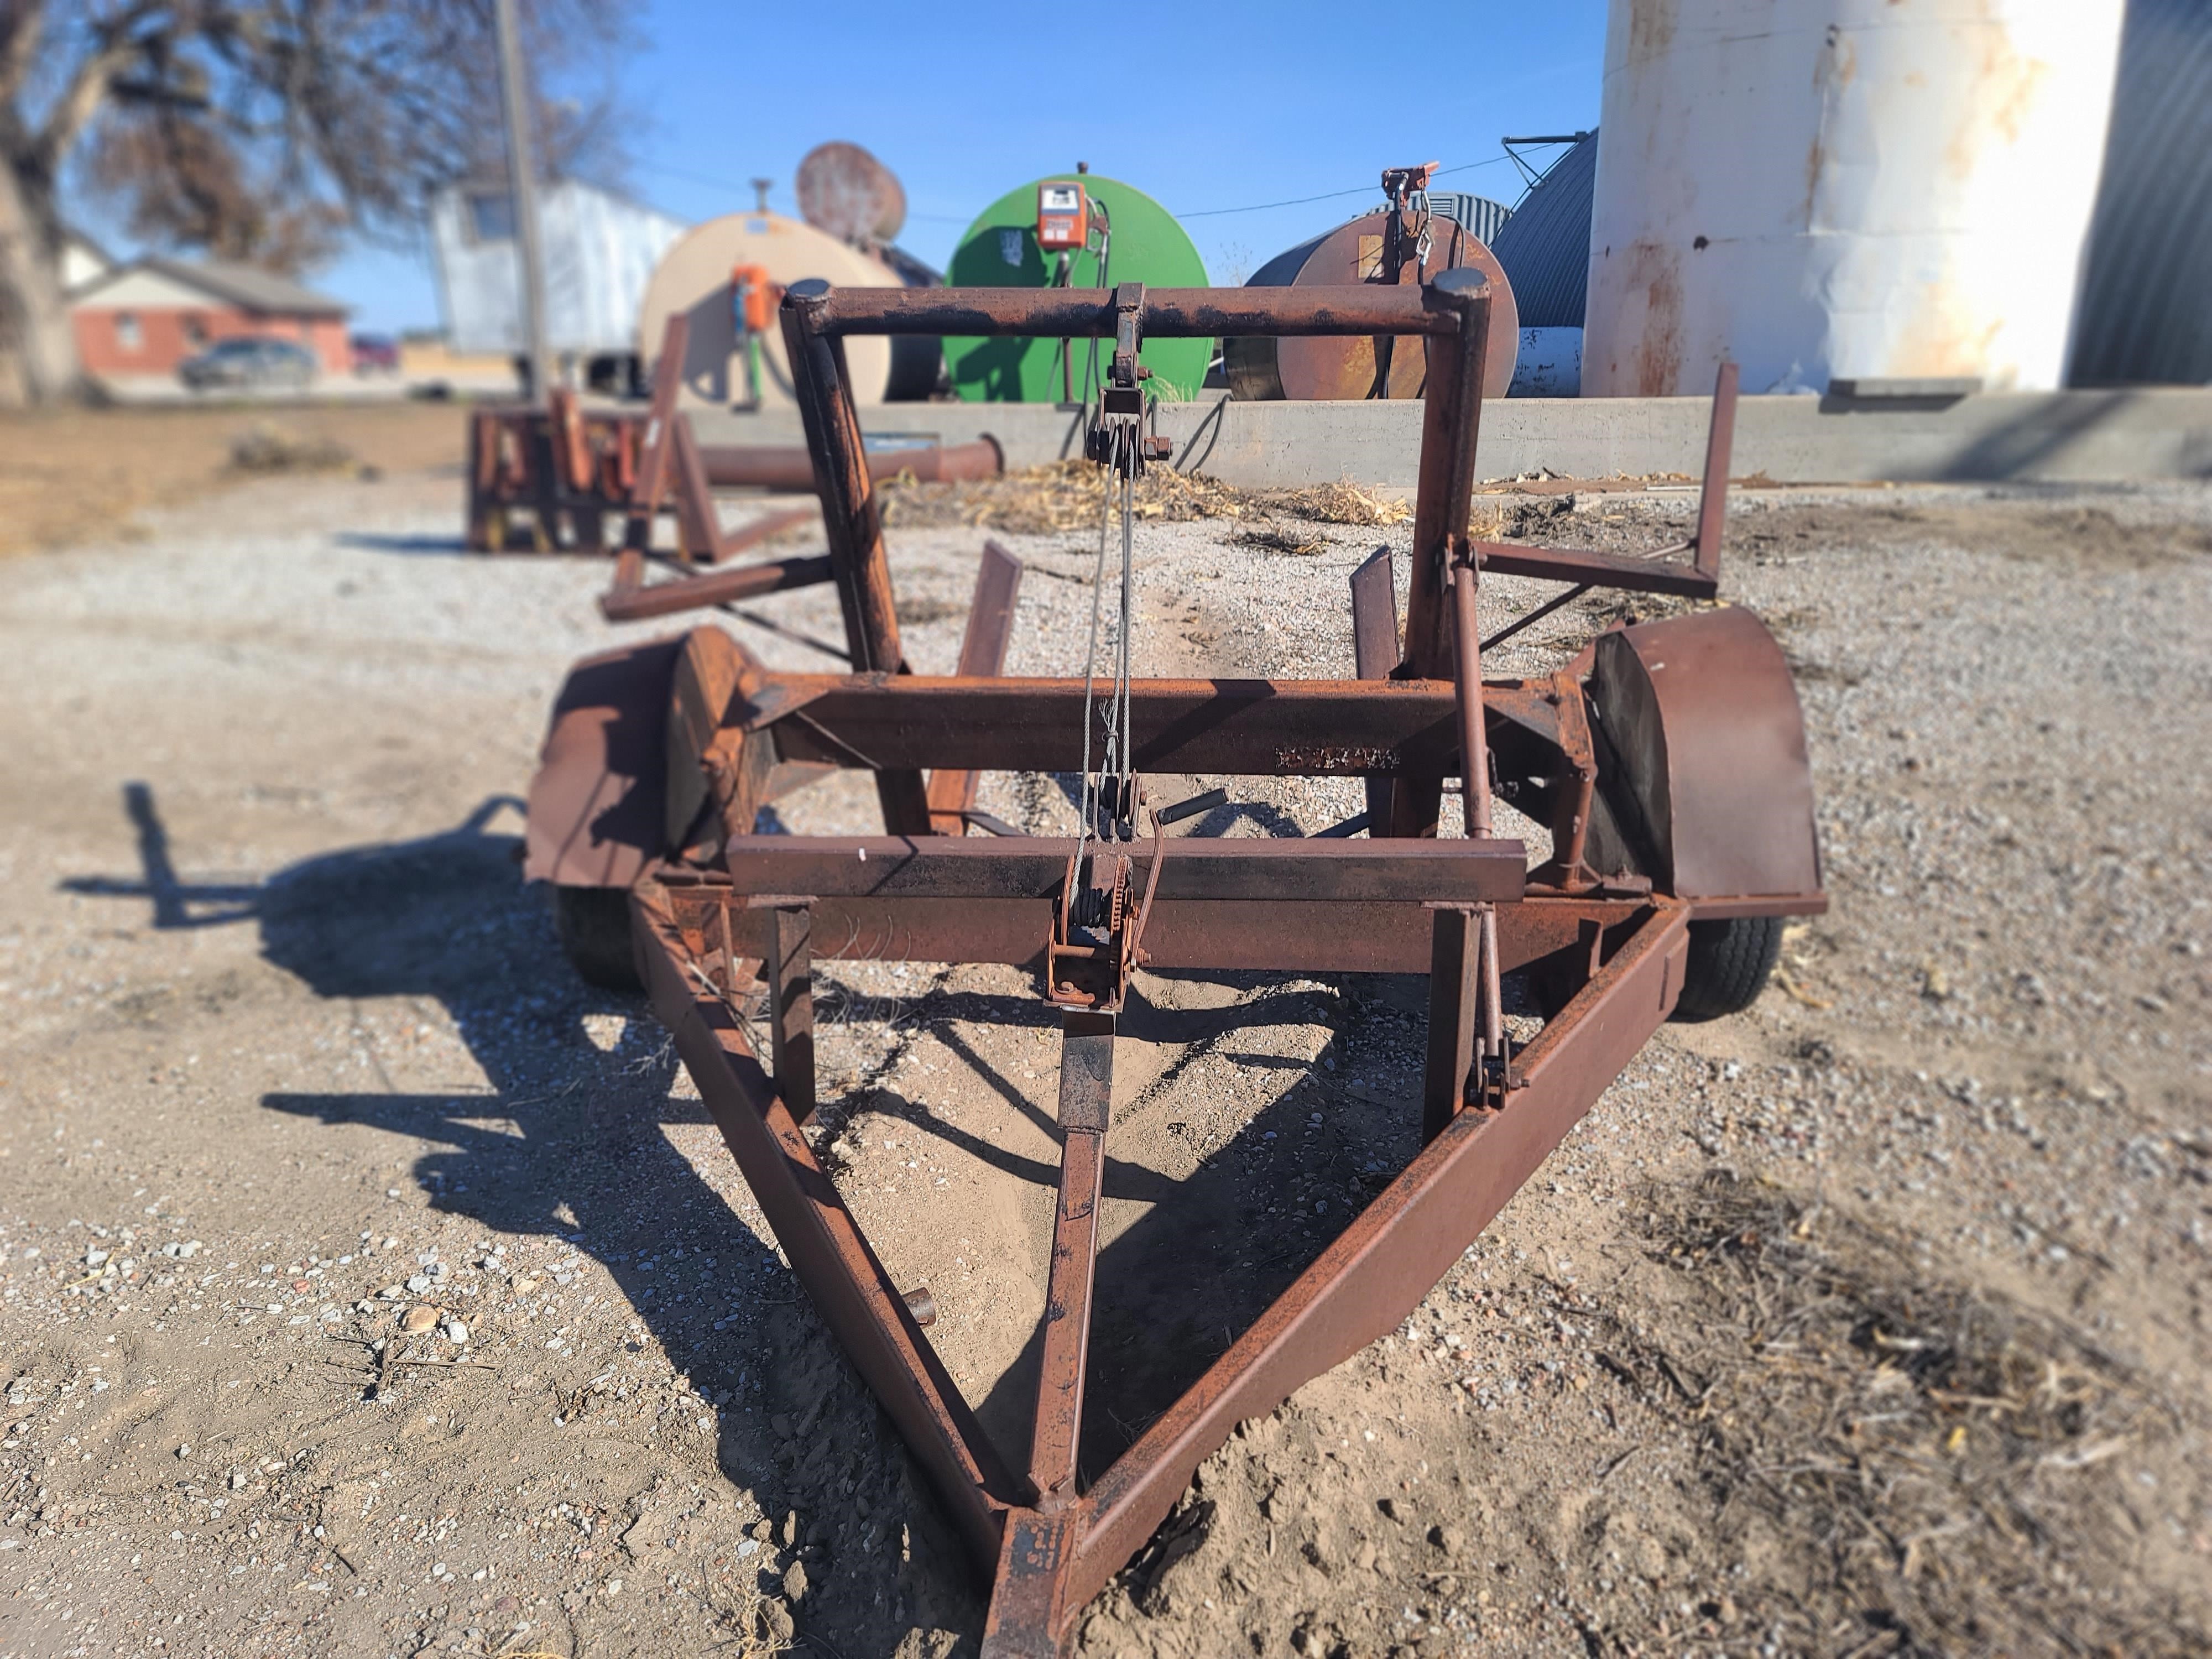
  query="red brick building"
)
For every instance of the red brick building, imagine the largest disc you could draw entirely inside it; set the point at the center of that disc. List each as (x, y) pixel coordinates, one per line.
(147, 317)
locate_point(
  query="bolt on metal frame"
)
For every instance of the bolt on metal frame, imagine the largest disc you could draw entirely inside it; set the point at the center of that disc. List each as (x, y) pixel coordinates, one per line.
(726, 928)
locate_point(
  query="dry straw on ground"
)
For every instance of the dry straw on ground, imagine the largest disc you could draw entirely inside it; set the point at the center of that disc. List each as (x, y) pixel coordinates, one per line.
(1071, 495)
(1917, 1462)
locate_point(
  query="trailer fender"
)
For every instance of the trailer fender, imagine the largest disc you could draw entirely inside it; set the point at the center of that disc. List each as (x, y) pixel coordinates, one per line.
(598, 804)
(1709, 779)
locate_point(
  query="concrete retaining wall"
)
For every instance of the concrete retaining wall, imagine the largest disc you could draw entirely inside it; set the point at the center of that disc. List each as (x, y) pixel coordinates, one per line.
(2070, 436)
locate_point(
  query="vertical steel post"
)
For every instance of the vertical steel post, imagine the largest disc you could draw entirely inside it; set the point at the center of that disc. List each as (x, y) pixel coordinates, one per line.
(851, 520)
(1375, 653)
(1474, 770)
(1713, 493)
(1451, 416)
(791, 1008)
(1455, 941)
(983, 653)
(522, 191)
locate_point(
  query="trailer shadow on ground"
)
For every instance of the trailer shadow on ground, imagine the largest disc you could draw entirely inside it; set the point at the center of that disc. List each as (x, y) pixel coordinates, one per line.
(567, 1144)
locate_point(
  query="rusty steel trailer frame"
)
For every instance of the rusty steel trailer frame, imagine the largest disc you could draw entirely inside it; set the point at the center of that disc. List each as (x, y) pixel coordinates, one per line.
(1668, 760)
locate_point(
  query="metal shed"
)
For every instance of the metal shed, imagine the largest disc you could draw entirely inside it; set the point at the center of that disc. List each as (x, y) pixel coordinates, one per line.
(600, 252)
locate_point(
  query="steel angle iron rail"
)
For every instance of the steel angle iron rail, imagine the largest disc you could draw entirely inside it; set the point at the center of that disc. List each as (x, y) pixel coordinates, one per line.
(1648, 756)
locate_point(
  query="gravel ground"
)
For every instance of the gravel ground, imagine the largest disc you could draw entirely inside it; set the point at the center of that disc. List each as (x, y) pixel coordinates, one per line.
(1871, 1322)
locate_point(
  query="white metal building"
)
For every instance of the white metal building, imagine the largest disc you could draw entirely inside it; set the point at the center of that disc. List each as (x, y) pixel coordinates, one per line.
(600, 251)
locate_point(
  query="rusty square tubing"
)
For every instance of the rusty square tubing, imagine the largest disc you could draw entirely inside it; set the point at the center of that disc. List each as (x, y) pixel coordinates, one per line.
(1268, 935)
(629, 601)
(852, 525)
(1451, 418)
(827, 1249)
(1254, 867)
(1240, 726)
(1359, 1288)
(1712, 491)
(1569, 564)
(656, 452)
(1651, 574)
(1086, 1088)
(1293, 728)
(951, 790)
(1378, 1269)
(1084, 312)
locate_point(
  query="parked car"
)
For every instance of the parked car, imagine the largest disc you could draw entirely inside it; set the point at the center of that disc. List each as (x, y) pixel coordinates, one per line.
(249, 360)
(374, 353)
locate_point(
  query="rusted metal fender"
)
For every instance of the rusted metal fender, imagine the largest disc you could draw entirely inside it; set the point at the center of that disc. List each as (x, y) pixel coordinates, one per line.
(1706, 741)
(599, 802)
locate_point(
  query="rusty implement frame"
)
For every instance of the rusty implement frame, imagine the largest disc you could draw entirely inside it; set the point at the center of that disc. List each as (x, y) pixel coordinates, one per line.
(1667, 761)
(563, 478)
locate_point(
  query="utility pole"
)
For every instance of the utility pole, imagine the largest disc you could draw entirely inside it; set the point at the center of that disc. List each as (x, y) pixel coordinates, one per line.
(522, 190)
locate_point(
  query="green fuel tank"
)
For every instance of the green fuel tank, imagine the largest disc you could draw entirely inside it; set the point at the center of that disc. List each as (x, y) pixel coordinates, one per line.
(1000, 250)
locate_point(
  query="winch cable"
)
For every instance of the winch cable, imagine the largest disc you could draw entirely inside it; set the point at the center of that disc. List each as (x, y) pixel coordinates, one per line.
(1109, 792)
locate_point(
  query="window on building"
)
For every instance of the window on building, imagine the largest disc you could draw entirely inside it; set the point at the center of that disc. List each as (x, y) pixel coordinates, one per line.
(128, 335)
(491, 217)
(196, 333)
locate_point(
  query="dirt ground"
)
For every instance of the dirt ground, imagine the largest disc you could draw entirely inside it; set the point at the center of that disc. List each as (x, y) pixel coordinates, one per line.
(1872, 1322)
(69, 474)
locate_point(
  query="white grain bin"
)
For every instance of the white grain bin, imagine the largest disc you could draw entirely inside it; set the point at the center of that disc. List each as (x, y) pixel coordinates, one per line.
(1828, 190)
(694, 278)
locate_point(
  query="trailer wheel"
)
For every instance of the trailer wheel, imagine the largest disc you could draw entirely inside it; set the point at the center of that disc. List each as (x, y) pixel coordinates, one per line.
(593, 923)
(1729, 964)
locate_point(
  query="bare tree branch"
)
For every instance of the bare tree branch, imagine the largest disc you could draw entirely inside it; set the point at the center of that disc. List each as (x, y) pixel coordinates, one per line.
(22, 27)
(113, 47)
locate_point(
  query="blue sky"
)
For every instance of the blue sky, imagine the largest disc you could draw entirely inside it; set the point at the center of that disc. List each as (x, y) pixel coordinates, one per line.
(1223, 105)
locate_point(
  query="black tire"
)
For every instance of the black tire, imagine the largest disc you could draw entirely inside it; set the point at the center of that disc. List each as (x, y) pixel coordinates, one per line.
(593, 923)
(1731, 963)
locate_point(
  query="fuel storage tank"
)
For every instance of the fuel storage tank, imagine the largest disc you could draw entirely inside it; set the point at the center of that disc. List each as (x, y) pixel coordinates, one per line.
(1324, 366)
(1133, 239)
(1870, 190)
(694, 278)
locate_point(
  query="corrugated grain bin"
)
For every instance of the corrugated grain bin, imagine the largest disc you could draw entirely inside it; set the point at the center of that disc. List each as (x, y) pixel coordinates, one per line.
(1545, 245)
(1000, 250)
(1850, 189)
(1477, 216)
(2146, 309)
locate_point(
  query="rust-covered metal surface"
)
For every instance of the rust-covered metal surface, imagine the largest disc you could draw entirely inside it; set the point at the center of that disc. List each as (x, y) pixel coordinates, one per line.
(660, 758)
(844, 189)
(595, 808)
(1704, 717)
(1263, 367)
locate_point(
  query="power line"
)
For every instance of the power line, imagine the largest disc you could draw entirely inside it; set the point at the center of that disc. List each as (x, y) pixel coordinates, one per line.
(1330, 196)
(732, 185)
(1203, 212)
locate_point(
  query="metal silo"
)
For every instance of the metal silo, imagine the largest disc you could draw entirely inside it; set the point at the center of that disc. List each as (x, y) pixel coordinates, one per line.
(1844, 189)
(2146, 308)
(1477, 216)
(1545, 244)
